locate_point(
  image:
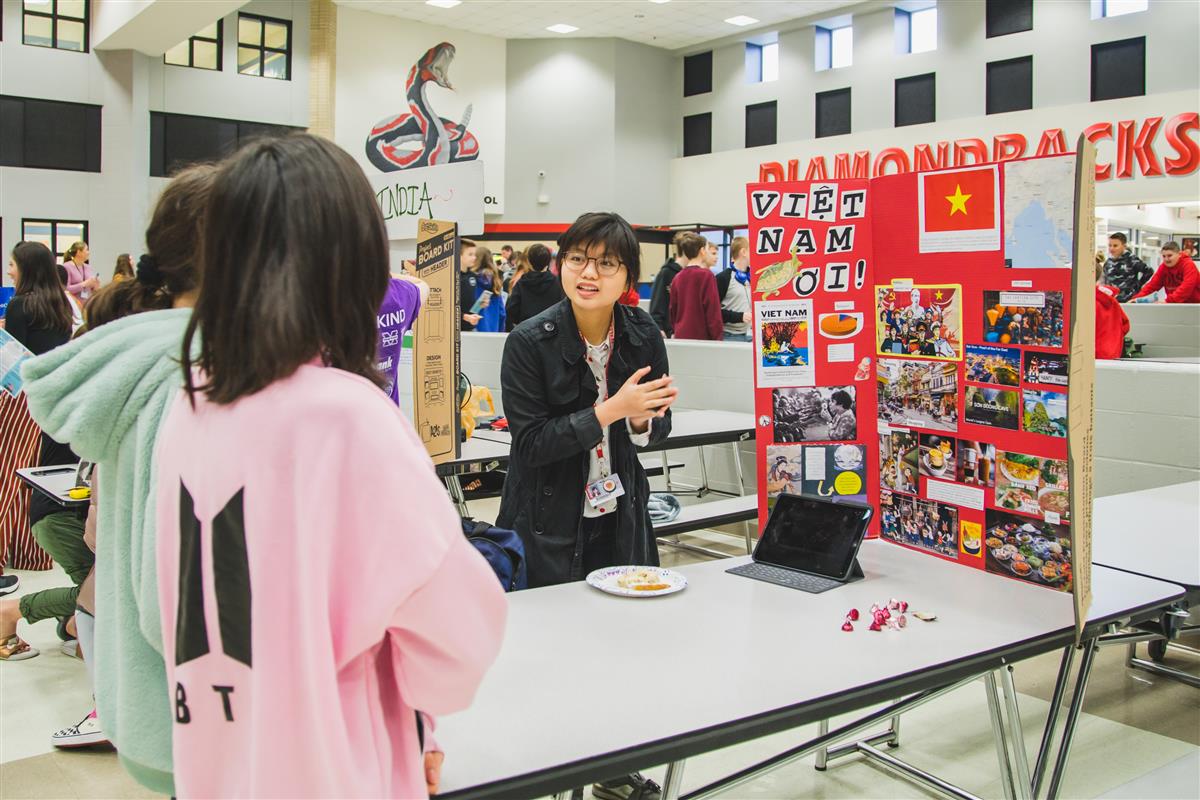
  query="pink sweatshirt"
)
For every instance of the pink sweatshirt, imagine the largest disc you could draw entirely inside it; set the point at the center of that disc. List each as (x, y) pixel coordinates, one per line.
(316, 588)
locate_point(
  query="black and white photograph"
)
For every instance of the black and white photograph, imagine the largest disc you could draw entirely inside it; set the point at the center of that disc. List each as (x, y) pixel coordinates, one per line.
(815, 414)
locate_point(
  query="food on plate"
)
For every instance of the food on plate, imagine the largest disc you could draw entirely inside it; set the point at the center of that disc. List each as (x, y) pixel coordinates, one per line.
(1050, 571)
(642, 580)
(993, 542)
(936, 459)
(1017, 499)
(1034, 562)
(1054, 501)
(847, 457)
(1021, 567)
(945, 446)
(1020, 468)
(1000, 554)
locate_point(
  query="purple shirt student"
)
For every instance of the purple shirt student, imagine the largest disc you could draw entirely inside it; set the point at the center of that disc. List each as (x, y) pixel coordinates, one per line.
(396, 316)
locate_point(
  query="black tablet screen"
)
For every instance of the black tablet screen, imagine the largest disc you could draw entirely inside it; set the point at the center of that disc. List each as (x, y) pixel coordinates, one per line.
(813, 535)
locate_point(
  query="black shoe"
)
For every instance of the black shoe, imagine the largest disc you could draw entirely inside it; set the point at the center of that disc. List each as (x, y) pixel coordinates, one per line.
(628, 787)
(9, 584)
(62, 629)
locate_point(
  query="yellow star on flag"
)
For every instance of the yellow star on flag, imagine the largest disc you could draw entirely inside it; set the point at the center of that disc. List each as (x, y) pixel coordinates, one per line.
(958, 200)
(938, 294)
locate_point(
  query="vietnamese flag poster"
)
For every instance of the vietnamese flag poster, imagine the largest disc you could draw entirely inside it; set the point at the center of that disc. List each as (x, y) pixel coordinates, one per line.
(959, 210)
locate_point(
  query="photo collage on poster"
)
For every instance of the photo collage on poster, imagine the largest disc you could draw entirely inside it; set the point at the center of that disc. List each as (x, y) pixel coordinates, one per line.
(965, 355)
(812, 339)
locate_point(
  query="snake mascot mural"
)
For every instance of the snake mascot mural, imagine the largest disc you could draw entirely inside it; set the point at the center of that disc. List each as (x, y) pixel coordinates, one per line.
(439, 140)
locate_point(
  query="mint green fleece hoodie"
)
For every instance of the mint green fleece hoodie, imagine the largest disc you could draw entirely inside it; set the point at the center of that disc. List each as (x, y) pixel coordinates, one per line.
(106, 394)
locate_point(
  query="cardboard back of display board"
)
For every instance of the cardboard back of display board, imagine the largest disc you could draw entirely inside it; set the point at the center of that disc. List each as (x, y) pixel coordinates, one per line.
(1081, 394)
(436, 354)
(913, 350)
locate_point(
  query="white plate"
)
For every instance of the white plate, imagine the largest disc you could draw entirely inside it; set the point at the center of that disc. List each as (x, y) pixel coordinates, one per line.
(606, 581)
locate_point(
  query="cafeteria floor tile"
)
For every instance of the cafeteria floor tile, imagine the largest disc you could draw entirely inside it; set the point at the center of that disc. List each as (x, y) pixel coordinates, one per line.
(1137, 737)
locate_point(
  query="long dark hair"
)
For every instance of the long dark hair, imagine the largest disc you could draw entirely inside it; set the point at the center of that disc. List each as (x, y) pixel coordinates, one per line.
(124, 266)
(293, 265)
(170, 267)
(42, 292)
(485, 266)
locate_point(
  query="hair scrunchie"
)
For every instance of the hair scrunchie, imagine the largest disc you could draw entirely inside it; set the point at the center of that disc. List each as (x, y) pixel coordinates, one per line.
(148, 271)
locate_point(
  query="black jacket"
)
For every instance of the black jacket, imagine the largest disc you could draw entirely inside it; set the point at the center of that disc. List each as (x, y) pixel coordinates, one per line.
(467, 281)
(549, 399)
(1128, 274)
(723, 279)
(533, 294)
(660, 296)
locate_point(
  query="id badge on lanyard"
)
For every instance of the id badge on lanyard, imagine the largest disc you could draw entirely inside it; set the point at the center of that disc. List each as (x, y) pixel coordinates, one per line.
(607, 487)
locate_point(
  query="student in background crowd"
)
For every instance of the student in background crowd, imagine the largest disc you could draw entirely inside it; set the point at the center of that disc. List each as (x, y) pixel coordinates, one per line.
(487, 279)
(520, 268)
(535, 292)
(585, 384)
(508, 261)
(107, 392)
(81, 281)
(714, 257)
(1124, 271)
(733, 287)
(695, 305)
(391, 606)
(402, 302)
(124, 268)
(1177, 276)
(660, 295)
(467, 283)
(1112, 325)
(39, 317)
(76, 305)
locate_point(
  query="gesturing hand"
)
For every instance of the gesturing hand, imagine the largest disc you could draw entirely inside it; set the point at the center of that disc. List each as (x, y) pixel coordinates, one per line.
(638, 402)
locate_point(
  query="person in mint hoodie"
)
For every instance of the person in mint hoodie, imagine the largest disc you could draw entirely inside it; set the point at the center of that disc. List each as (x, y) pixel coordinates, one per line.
(319, 602)
(106, 393)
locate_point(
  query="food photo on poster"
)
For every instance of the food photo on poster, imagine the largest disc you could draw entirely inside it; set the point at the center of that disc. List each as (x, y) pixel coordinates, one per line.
(1045, 413)
(836, 471)
(1051, 369)
(938, 458)
(1029, 318)
(785, 469)
(783, 339)
(970, 538)
(924, 524)
(918, 393)
(817, 414)
(920, 322)
(1033, 485)
(995, 408)
(898, 465)
(976, 463)
(988, 364)
(1032, 550)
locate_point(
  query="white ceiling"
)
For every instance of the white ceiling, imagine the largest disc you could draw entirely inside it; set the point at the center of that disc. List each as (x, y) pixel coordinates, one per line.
(674, 25)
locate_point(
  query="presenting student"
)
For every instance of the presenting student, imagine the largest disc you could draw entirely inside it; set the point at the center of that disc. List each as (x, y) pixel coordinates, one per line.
(272, 537)
(585, 383)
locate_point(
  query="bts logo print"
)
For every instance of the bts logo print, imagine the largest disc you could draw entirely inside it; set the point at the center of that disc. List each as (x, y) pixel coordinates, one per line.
(231, 584)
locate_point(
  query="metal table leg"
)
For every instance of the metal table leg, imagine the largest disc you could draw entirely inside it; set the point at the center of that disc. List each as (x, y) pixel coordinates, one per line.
(673, 783)
(737, 467)
(454, 486)
(1006, 772)
(1020, 755)
(822, 760)
(704, 488)
(666, 469)
(895, 741)
(1060, 689)
(1064, 751)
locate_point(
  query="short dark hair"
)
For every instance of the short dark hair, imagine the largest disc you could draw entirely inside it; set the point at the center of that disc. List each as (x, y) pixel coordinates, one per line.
(1171, 245)
(1120, 237)
(293, 266)
(539, 256)
(507, 247)
(463, 244)
(842, 398)
(609, 231)
(690, 244)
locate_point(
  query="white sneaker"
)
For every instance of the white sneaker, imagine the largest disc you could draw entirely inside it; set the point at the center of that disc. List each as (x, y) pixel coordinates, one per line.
(71, 648)
(9, 584)
(87, 732)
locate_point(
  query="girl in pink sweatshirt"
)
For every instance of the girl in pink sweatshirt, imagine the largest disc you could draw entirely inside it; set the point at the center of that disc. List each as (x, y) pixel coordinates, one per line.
(317, 591)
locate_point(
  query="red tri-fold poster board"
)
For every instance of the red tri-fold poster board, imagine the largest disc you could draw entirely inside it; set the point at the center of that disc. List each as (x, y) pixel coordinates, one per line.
(912, 344)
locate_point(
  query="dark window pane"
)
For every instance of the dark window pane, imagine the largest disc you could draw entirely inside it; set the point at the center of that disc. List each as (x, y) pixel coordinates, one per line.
(1010, 85)
(55, 135)
(915, 100)
(697, 74)
(833, 112)
(697, 134)
(12, 132)
(1009, 16)
(760, 124)
(1119, 69)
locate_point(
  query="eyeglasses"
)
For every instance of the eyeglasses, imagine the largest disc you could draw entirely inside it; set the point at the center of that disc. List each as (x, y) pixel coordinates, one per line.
(605, 265)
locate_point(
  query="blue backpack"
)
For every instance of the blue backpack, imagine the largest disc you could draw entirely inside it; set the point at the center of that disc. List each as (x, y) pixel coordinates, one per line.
(503, 551)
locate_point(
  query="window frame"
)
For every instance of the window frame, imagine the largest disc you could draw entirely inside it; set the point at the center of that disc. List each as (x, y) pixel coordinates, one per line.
(908, 16)
(1105, 15)
(53, 15)
(219, 42)
(55, 249)
(262, 48)
(756, 62)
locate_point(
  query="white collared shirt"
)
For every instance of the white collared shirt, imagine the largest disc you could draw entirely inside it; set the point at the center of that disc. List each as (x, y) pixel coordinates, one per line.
(597, 359)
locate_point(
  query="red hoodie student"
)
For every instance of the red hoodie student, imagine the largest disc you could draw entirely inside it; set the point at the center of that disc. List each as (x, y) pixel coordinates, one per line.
(1177, 275)
(695, 303)
(1111, 323)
